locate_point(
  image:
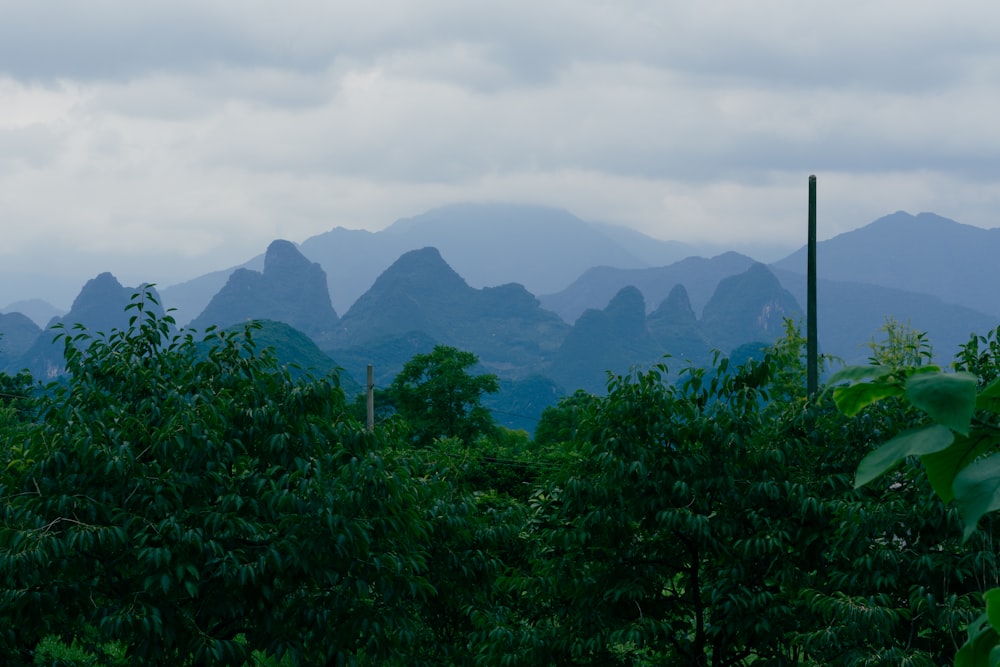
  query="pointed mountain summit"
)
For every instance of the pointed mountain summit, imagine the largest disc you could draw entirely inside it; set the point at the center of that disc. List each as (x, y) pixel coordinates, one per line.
(614, 339)
(424, 272)
(598, 285)
(418, 292)
(749, 307)
(421, 298)
(291, 289)
(674, 326)
(676, 308)
(627, 312)
(99, 307)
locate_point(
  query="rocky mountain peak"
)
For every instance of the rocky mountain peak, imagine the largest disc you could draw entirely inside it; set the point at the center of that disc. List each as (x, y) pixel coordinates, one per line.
(748, 307)
(284, 257)
(420, 270)
(676, 307)
(291, 289)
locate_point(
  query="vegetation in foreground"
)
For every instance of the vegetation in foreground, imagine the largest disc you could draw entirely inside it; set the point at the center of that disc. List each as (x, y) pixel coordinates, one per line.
(180, 501)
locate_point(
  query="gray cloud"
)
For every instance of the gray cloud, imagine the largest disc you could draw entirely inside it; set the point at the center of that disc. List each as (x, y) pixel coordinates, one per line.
(193, 133)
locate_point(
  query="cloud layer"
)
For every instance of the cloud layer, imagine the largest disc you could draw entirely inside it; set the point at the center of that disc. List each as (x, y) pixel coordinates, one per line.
(162, 140)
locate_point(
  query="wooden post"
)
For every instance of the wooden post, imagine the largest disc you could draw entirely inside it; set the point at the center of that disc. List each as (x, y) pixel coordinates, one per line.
(812, 345)
(371, 397)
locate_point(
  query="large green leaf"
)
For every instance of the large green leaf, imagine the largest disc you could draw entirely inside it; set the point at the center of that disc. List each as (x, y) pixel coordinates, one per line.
(949, 398)
(942, 466)
(992, 599)
(977, 490)
(854, 398)
(981, 648)
(916, 442)
(989, 397)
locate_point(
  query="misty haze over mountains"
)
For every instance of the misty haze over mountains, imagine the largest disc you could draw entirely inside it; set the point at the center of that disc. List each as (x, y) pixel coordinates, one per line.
(549, 302)
(542, 248)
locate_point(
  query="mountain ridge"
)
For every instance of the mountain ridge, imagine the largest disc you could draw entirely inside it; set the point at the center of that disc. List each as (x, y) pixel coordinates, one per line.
(925, 253)
(542, 248)
(516, 333)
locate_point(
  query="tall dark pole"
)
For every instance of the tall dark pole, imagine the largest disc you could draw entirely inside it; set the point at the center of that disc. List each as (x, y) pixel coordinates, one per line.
(371, 398)
(812, 346)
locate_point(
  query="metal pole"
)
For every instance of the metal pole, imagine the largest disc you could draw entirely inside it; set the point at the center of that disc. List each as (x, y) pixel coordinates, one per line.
(371, 397)
(812, 345)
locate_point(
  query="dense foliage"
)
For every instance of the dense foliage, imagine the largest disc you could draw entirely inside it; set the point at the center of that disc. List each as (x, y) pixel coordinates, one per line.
(195, 508)
(179, 501)
(437, 397)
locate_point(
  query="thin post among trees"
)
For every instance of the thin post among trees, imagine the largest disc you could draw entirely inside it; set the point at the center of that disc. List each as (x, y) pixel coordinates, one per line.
(812, 345)
(371, 398)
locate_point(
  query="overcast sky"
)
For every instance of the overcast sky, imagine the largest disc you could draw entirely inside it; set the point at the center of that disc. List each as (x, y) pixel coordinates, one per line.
(163, 140)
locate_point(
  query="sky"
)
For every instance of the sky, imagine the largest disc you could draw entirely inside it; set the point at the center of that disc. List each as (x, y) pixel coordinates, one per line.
(163, 140)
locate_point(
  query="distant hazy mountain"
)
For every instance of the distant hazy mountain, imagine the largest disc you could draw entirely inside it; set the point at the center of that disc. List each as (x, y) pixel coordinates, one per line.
(290, 289)
(421, 295)
(189, 299)
(629, 298)
(100, 308)
(421, 301)
(614, 338)
(850, 314)
(17, 334)
(745, 308)
(924, 253)
(597, 285)
(542, 248)
(676, 329)
(41, 312)
(749, 307)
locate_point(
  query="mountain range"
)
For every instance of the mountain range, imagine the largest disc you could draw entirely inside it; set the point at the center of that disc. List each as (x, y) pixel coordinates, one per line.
(543, 249)
(607, 300)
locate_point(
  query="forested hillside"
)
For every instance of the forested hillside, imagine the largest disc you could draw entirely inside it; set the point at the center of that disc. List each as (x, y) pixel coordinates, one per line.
(185, 501)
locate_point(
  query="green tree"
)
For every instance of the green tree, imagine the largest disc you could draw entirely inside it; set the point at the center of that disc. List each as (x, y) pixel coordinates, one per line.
(957, 444)
(438, 398)
(714, 521)
(194, 506)
(560, 422)
(657, 546)
(474, 544)
(980, 356)
(884, 595)
(900, 346)
(17, 398)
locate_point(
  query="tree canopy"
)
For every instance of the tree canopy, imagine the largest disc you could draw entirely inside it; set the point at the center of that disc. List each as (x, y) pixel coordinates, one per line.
(438, 398)
(183, 500)
(198, 507)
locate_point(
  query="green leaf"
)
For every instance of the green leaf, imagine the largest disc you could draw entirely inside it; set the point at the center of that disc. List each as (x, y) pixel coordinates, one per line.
(977, 490)
(949, 398)
(992, 599)
(942, 466)
(916, 442)
(989, 397)
(856, 373)
(978, 650)
(856, 397)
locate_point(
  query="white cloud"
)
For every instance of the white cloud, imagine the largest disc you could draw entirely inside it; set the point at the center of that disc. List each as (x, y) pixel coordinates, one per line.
(194, 133)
